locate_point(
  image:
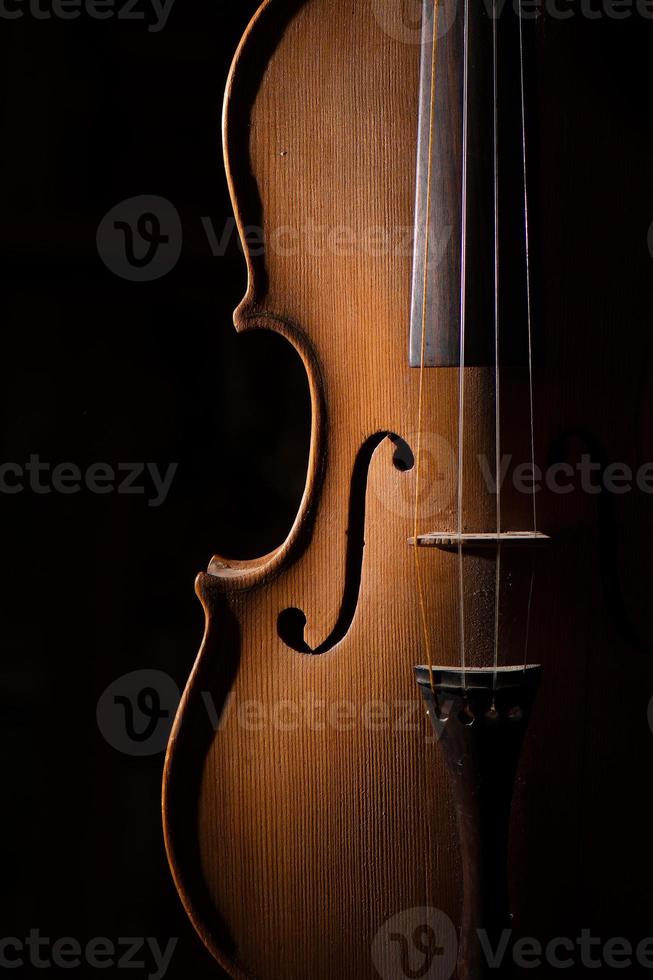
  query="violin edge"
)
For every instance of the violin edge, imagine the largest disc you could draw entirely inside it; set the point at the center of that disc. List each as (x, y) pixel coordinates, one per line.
(172, 772)
(238, 575)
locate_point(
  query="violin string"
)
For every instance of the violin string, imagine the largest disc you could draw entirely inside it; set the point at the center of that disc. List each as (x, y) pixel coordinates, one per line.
(461, 356)
(528, 612)
(497, 586)
(418, 566)
(527, 259)
(529, 319)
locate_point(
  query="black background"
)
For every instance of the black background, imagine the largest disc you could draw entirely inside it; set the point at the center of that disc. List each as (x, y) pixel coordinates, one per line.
(99, 369)
(96, 368)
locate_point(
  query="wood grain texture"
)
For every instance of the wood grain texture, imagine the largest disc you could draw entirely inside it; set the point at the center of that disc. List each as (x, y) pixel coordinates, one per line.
(319, 807)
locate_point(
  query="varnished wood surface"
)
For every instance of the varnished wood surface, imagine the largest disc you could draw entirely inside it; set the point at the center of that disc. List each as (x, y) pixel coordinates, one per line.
(292, 848)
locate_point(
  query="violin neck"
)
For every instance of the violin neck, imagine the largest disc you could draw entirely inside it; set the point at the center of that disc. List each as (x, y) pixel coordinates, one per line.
(470, 270)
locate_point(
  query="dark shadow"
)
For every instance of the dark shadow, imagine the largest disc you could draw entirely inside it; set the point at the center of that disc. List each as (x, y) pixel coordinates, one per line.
(608, 541)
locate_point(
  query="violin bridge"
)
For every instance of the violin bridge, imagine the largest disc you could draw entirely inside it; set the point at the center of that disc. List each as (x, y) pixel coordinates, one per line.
(474, 541)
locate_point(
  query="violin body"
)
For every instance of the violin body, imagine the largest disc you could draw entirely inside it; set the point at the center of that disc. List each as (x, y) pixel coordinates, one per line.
(306, 803)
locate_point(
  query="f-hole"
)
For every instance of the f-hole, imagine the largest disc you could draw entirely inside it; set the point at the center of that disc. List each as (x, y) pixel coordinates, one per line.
(291, 622)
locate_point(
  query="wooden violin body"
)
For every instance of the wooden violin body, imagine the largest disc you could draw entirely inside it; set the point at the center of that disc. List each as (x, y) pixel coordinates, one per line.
(306, 803)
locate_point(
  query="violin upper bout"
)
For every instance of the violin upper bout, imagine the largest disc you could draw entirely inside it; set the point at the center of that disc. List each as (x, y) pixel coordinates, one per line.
(246, 76)
(257, 310)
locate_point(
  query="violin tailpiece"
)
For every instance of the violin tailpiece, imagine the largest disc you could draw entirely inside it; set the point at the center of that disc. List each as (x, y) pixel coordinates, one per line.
(480, 718)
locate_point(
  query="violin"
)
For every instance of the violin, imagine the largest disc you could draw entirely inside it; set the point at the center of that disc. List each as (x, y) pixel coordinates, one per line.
(397, 765)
